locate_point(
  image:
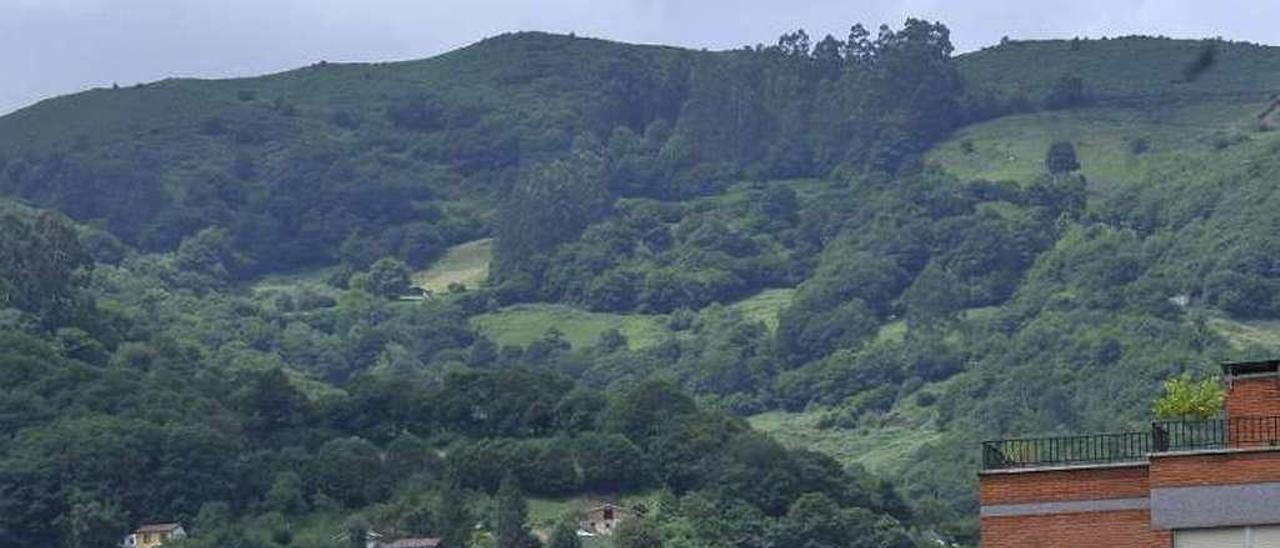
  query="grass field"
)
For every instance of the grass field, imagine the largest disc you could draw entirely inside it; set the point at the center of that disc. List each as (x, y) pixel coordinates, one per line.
(523, 324)
(1245, 334)
(314, 279)
(880, 448)
(765, 306)
(467, 264)
(1013, 147)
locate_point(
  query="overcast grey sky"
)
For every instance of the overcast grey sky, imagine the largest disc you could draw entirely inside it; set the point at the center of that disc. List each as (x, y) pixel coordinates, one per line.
(53, 47)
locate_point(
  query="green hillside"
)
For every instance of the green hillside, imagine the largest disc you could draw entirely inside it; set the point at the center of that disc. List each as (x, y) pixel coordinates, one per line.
(1115, 145)
(1140, 71)
(878, 251)
(396, 158)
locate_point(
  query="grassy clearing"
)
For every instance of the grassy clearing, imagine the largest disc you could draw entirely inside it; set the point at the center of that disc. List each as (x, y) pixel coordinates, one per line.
(545, 513)
(882, 446)
(892, 332)
(523, 324)
(1249, 334)
(1013, 147)
(765, 306)
(467, 264)
(315, 279)
(880, 450)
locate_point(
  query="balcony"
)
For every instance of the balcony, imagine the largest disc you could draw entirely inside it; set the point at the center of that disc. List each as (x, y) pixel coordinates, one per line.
(1163, 437)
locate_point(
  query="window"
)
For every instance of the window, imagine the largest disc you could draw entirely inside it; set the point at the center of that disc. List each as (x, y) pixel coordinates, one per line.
(1266, 537)
(1236, 537)
(608, 513)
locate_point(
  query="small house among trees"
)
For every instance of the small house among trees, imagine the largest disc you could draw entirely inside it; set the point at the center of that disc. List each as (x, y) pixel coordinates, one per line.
(604, 519)
(422, 542)
(154, 534)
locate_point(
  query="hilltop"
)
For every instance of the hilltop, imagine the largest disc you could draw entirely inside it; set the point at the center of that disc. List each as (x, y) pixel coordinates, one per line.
(367, 147)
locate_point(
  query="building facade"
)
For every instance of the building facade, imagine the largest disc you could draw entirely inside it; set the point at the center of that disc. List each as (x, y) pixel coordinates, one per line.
(153, 535)
(604, 519)
(1181, 484)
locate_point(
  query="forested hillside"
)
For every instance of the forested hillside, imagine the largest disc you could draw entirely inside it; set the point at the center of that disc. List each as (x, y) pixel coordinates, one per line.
(876, 251)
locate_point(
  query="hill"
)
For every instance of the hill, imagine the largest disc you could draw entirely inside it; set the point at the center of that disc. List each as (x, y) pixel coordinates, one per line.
(858, 243)
(297, 163)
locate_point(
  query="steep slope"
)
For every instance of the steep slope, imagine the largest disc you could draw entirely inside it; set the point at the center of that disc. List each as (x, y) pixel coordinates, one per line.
(311, 157)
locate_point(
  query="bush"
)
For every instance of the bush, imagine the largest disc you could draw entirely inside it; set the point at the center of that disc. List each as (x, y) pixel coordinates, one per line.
(1068, 92)
(1139, 146)
(417, 113)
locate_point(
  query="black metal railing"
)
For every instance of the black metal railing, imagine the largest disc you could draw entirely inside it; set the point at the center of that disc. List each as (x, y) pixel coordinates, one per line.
(1036, 452)
(1254, 432)
(1164, 436)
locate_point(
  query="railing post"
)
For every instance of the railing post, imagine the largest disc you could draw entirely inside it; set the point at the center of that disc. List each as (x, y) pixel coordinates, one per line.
(1159, 438)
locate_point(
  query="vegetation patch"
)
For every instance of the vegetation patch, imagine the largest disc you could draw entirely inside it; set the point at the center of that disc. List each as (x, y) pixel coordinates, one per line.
(1263, 335)
(315, 279)
(765, 306)
(880, 450)
(526, 323)
(1113, 144)
(466, 264)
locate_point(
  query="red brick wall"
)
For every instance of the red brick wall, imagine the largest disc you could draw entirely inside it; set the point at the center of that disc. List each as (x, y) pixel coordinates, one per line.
(1117, 482)
(1215, 469)
(1254, 397)
(1128, 529)
(1118, 529)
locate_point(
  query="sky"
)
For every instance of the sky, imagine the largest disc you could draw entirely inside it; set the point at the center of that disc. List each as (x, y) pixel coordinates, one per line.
(55, 47)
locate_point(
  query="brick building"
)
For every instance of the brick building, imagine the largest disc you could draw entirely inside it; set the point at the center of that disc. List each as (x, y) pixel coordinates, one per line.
(1180, 484)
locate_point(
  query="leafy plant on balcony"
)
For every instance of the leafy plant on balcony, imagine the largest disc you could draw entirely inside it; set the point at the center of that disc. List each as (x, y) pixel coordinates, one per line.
(1187, 398)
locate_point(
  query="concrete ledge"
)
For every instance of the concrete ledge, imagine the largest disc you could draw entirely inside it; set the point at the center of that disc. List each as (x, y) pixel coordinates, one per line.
(1063, 507)
(1215, 505)
(1065, 468)
(1217, 451)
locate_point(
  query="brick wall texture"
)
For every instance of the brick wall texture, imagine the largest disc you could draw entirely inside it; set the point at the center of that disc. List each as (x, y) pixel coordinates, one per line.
(1128, 529)
(1214, 469)
(1254, 397)
(1064, 485)
(1122, 529)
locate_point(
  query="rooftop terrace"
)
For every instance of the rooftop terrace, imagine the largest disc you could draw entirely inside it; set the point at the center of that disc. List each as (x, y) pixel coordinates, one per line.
(1136, 446)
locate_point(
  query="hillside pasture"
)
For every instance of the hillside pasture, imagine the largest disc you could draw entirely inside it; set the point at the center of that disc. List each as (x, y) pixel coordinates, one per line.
(1114, 145)
(466, 264)
(523, 324)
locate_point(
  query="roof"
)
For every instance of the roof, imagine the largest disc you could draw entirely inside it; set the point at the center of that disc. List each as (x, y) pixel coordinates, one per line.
(158, 527)
(610, 506)
(1250, 368)
(416, 543)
